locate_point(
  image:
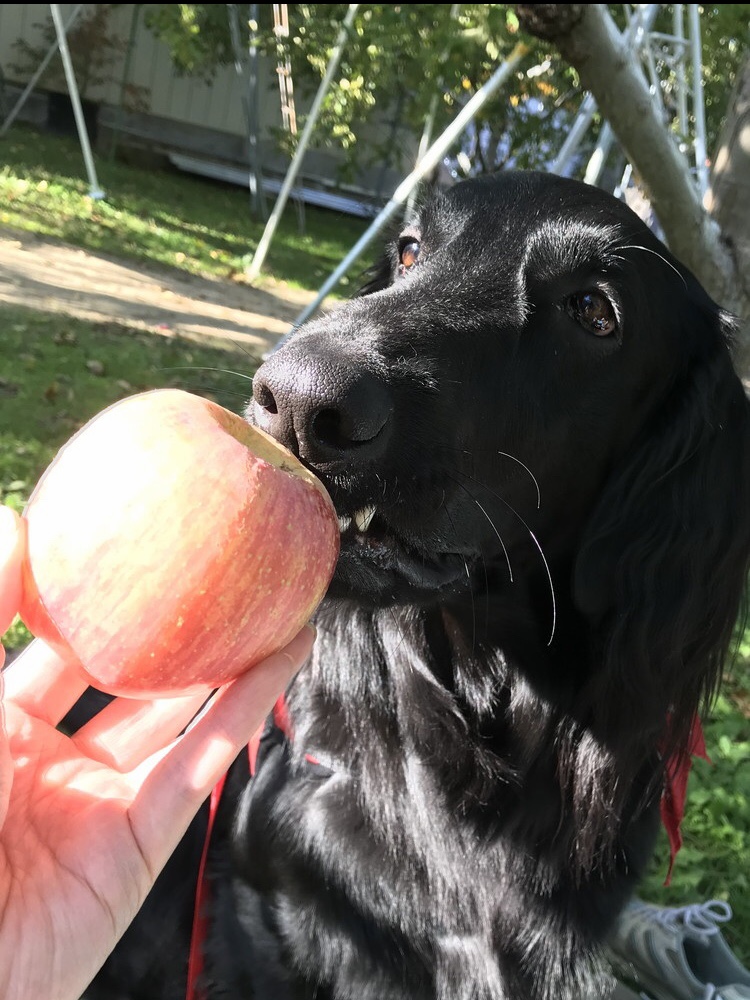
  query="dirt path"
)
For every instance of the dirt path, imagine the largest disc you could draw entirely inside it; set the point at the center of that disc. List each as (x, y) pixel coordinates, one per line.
(51, 276)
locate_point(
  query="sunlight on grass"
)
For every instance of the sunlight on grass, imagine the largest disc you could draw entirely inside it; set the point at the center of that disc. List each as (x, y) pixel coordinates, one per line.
(163, 216)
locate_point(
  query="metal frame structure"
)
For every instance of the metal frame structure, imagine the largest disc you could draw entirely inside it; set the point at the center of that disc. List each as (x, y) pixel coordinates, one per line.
(680, 53)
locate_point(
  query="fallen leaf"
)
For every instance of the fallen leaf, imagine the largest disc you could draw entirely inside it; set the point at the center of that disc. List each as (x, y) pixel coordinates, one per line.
(66, 337)
(8, 388)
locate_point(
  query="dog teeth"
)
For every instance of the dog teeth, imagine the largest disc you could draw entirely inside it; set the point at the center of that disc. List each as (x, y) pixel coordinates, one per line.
(344, 523)
(362, 518)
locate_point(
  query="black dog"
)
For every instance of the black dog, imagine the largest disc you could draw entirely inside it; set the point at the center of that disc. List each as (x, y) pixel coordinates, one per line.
(540, 454)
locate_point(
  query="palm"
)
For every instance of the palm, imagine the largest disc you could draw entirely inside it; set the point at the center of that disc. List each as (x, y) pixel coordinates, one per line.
(91, 820)
(69, 852)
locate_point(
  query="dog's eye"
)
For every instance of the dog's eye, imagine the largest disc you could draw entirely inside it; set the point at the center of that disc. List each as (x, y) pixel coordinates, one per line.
(409, 254)
(593, 311)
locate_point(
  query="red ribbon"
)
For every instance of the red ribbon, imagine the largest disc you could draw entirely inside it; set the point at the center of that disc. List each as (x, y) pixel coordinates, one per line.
(674, 795)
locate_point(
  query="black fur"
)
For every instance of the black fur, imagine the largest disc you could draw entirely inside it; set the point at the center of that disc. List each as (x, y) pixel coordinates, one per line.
(542, 602)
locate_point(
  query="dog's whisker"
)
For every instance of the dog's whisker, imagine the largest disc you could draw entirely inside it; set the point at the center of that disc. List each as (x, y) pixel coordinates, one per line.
(523, 465)
(636, 246)
(537, 543)
(206, 368)
(217, 389)
(473, 609)
(506, 454)
(534, 539)
(491, 524)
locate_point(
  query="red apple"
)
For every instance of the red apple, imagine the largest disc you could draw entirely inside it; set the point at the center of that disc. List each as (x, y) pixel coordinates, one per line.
(171, 546)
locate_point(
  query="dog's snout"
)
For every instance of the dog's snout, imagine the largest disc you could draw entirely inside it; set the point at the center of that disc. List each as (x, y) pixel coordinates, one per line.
(323, 411)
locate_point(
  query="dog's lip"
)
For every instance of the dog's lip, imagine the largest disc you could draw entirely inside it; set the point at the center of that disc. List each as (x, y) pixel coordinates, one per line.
(367, 537)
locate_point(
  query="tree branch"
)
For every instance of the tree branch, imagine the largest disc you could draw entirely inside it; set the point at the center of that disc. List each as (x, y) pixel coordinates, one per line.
(588, 39)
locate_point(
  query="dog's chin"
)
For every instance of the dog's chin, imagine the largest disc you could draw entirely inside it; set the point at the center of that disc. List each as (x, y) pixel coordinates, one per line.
(379, 567)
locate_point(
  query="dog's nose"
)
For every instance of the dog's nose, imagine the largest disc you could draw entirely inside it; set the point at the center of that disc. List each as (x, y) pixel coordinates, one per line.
(322, 410)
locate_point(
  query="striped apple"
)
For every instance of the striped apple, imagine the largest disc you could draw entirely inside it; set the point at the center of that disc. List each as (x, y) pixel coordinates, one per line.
(171, 546)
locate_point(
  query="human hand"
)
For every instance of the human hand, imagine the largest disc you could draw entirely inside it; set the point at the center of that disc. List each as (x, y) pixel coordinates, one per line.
(88, 822)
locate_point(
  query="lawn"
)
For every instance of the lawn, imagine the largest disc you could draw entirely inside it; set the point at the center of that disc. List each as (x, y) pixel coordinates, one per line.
(56, 372)
(161, 217)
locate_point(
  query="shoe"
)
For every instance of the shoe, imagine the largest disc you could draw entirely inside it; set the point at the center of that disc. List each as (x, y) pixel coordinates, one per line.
(679, 953)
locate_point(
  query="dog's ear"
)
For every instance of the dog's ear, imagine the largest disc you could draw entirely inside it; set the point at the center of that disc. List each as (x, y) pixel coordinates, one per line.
(663, 565)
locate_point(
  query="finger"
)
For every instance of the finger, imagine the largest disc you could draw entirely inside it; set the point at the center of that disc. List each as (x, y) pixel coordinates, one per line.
(176, 782)
(43, 683)
(12, 541)
(127, 731)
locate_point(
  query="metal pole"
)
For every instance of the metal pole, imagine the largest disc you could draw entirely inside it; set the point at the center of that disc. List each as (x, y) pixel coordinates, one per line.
(430, 160)
(125, 78)
(575, 136)
(622, 187)
(678, 29)
(424, 144)
(698, 108)
(95, 191)
(259, 200)
(247, 98)
(599, 156)
(265, 241)
(37, 75)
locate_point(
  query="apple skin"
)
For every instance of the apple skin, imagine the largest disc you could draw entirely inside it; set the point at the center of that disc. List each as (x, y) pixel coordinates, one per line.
(171, 546)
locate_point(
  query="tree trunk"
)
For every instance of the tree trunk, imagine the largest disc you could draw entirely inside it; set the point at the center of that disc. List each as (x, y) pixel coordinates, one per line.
(728, 199)
(588, 39)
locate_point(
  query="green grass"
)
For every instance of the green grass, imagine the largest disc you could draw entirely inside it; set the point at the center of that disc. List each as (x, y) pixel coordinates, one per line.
(56, 372)
(161, 217)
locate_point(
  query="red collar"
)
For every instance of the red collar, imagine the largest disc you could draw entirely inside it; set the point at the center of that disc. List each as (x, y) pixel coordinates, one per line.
(200, 911)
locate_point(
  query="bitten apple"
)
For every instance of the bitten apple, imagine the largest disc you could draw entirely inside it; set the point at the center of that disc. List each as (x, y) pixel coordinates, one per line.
(171, 546)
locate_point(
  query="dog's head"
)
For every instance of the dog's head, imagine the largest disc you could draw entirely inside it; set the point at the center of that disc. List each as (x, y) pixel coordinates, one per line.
(522, 335)
(530, 415)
